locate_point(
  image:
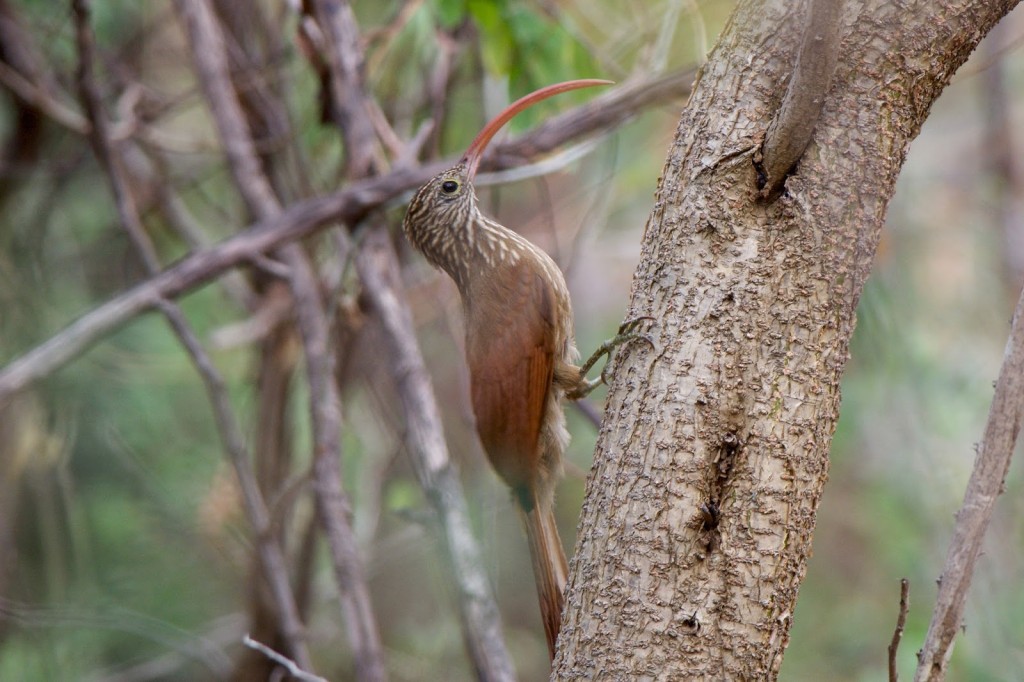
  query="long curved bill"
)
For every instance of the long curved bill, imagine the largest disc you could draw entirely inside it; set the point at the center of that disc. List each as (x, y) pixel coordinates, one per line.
(479, 144)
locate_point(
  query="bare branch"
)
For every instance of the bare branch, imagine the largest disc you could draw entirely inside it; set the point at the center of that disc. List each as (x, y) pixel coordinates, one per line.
(299, 220)
(335, 510)
(22, 72)
(378, 268)
(211, 65)
(293, 669)
(350, 105)
(99, 138)
(790, 133)
(303, 218)
(270, 553)
(897, 635)
(425, 444)
(604, 112)
(180, 219)
(325, 405)
(35, 96)
(206, 648)
(986, 483)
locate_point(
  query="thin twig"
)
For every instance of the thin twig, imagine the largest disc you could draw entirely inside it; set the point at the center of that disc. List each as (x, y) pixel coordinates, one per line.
(545, 166)
(178, 216)
(611, 108)
(271, 556)
(301, 219)
(206, 649)
(23, 72)
(211, 63)
(659, 52)
(425, 443)
(897, 635)
(37, 97)
(789, 134)
(589, 412)
(988, 478)
(293, 668)
(99, 138)
(349, 101)
(335, 510)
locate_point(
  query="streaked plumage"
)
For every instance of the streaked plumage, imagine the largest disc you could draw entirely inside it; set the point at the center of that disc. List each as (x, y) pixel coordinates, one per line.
(519, 344)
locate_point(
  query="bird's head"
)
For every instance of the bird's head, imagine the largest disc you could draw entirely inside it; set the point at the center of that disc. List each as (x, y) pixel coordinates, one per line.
(442, 207)
(445, 207)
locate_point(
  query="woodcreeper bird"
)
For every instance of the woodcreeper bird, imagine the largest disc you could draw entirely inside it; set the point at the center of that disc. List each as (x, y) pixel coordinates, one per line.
(520, 345)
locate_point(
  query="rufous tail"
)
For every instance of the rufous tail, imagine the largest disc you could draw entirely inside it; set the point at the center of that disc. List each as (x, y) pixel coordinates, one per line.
(550, 570)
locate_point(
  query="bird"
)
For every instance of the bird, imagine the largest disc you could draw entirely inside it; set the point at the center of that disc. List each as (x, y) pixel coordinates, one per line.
(520, 344)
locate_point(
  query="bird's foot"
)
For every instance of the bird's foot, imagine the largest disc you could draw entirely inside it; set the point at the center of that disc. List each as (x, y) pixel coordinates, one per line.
(627, 334)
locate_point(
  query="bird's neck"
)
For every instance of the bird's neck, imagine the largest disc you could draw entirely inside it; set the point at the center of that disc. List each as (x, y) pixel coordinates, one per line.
(477, 249)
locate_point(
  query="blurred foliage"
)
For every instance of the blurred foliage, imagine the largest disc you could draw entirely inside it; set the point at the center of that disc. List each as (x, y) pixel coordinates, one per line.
(128, 553)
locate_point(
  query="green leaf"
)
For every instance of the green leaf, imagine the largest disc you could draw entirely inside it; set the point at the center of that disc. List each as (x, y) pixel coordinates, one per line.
(449, 13)
(496, 40)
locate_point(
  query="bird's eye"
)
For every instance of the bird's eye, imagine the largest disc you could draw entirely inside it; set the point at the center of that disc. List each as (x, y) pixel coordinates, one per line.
(449, 186)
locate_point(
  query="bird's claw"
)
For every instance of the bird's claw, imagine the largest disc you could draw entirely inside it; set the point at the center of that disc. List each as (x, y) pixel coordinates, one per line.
(627, 334)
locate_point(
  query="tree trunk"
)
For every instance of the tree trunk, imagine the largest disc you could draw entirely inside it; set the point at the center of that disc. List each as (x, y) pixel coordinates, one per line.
(697, 524)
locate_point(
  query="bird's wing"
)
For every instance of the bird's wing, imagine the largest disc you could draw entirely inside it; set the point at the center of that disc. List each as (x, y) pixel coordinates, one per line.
(511, 351)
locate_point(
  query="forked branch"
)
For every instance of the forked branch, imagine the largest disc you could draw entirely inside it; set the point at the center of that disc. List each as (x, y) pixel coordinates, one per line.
(271, 556)
(303, 218)
(210, 57)
(790, 133)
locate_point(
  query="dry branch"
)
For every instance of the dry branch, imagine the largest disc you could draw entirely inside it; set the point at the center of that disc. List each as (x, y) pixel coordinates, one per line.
(986, 483)
(425, 443)
(211, 63)
(303, 218)
(291, 666)
(349, 103)
(23, 73)
(897, 635)
(379, 270)
(269, 551)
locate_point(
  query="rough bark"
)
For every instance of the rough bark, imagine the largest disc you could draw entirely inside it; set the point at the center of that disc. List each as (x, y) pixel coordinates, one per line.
(697, 524)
